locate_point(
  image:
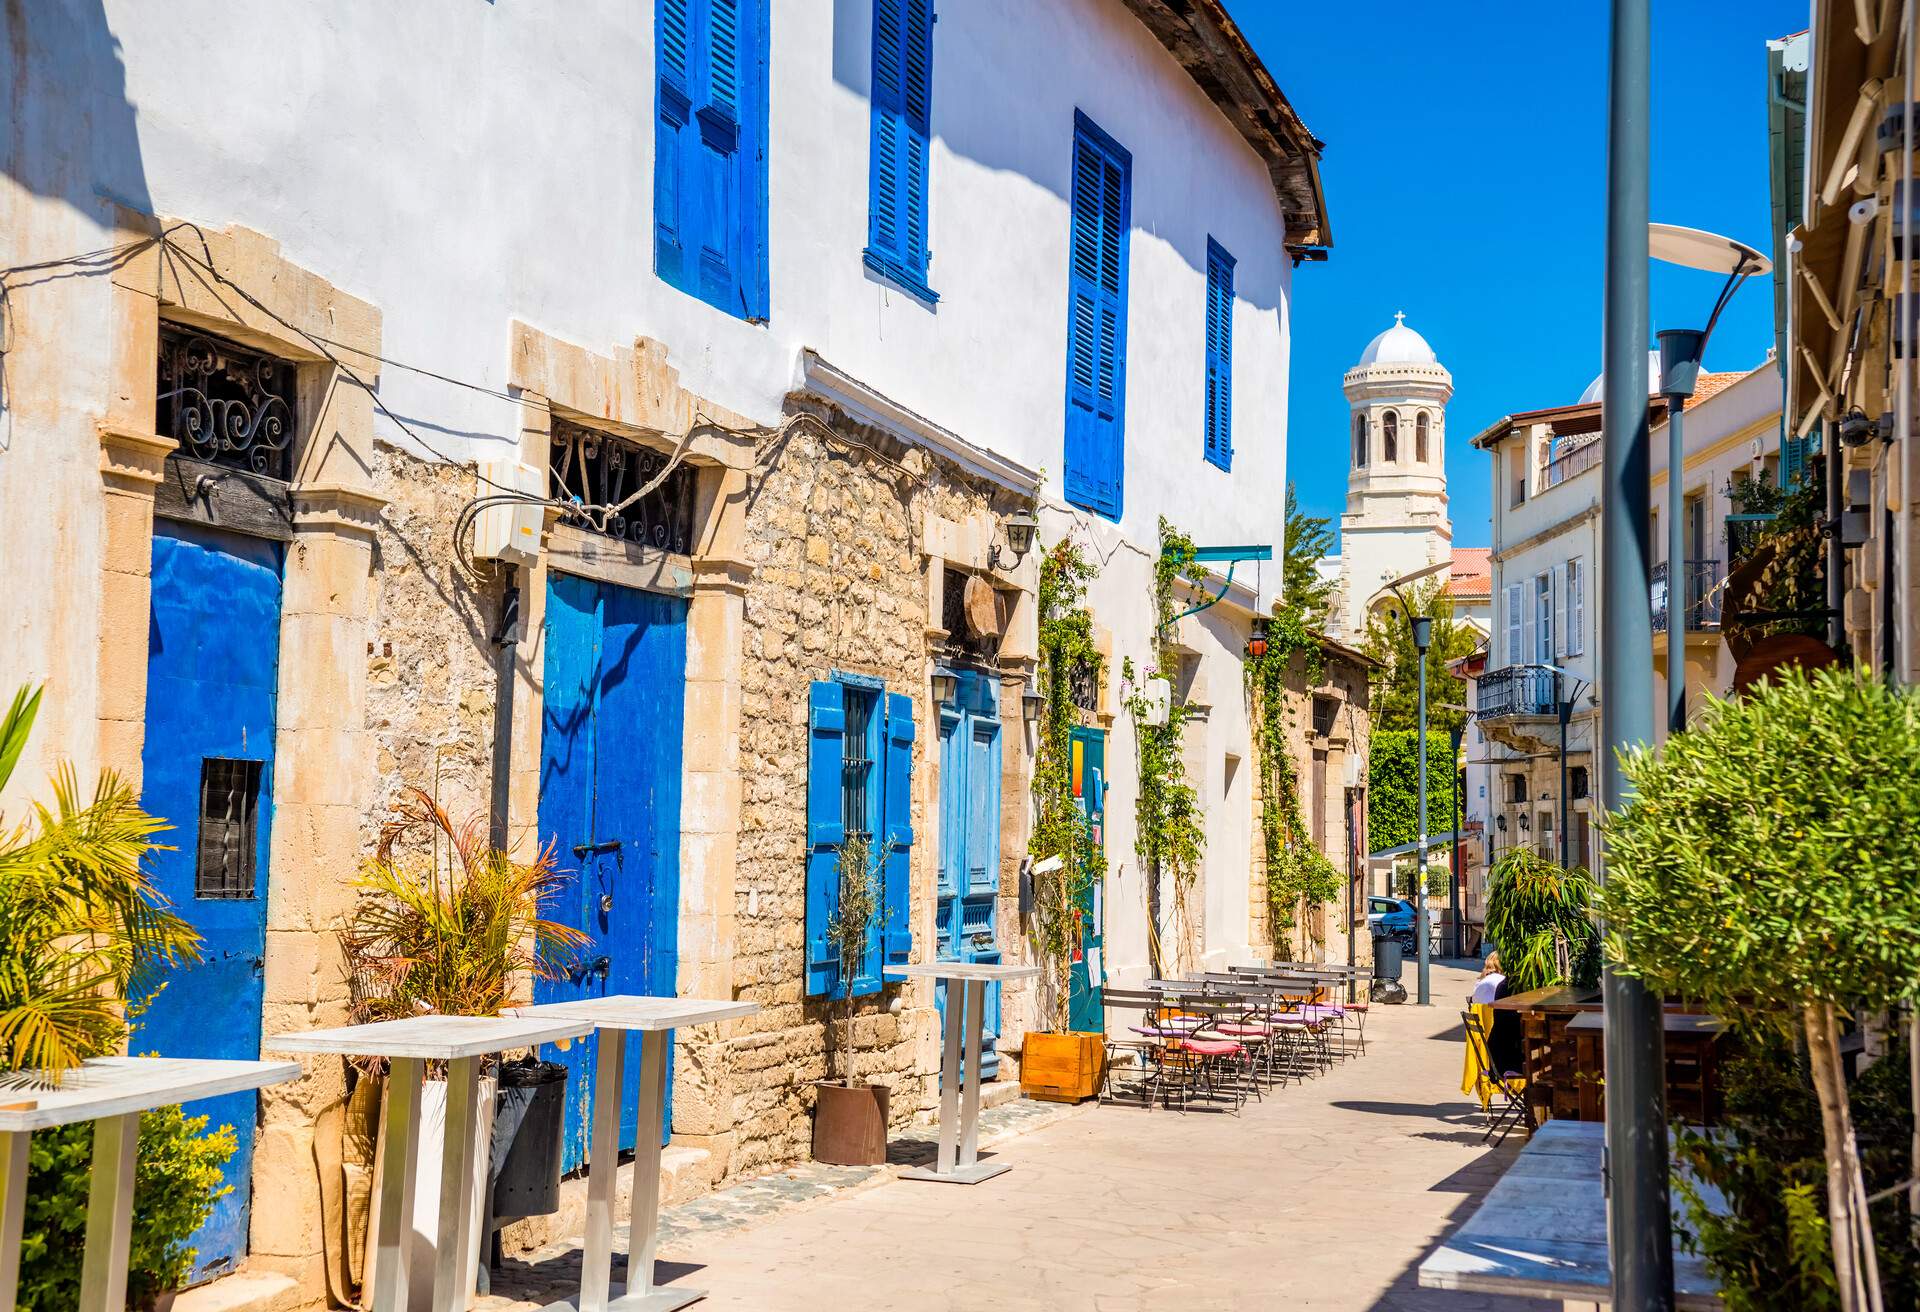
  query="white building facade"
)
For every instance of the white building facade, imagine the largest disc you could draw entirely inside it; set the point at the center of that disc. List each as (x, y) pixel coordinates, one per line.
(781, 316)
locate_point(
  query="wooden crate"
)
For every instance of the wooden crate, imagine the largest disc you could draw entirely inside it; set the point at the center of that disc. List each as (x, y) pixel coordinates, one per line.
(1057, 1067)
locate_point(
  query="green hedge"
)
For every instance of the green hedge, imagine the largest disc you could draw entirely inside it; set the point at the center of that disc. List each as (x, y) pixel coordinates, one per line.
(1393, 788)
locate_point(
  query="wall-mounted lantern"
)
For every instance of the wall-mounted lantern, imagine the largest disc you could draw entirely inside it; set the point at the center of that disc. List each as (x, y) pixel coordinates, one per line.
(1032, 703)
(1020, 527)
(946, 685)
(1257, 642)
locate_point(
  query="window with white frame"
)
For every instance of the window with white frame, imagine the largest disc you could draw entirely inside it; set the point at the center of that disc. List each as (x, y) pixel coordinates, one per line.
(1576, 607)
(1515, 651)
(1543, 617)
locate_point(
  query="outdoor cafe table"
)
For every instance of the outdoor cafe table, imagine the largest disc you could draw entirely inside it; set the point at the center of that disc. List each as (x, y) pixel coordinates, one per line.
(408, 1044)
(653, 1018)
(1542, 1231)
(959, 1160)
(111, 1092)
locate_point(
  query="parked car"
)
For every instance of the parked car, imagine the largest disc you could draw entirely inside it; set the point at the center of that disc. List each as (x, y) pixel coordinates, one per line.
(1395, 916)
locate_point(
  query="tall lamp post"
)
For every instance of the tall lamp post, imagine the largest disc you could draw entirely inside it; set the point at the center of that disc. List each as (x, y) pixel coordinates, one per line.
(1453, 897)
(1422, 627)
(1681, 351)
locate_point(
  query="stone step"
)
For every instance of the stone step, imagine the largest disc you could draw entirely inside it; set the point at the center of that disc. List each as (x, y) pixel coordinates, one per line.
(684, 1175)
(243, 1291)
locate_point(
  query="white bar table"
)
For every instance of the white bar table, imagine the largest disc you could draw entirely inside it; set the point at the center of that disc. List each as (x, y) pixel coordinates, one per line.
(407, 1044)
(959, 1161)
(111, 1092)
(653, 1018)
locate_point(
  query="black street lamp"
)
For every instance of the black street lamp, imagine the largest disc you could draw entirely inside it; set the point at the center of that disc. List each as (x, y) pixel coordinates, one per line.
(1422, 628)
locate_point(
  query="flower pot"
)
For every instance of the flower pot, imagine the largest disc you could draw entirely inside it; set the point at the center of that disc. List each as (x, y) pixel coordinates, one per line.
(426, 1194)
(850, 1124)
(1056, 1067)
(527, 1131)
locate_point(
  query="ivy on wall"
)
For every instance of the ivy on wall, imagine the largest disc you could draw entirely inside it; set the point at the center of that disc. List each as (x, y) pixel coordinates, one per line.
(1061, 828)
(1299, 876)
(1168, 835)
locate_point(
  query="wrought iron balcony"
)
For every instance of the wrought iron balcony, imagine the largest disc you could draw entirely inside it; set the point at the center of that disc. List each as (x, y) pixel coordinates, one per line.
(1514, 690)
(1573, 460)
(1703, 595)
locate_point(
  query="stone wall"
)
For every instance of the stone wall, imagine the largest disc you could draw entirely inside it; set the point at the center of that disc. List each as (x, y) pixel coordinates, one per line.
(833, 535)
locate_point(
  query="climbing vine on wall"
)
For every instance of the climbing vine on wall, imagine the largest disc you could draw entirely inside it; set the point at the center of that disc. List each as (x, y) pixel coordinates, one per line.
(1168, 835)
(1299, 876)
(1061, 828)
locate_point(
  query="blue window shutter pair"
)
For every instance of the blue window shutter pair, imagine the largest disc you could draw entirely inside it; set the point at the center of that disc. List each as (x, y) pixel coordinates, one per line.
(1219, 417)
(1793, 461)
(1097, 320)
(902, 98)
(710, 164)
(891, 936)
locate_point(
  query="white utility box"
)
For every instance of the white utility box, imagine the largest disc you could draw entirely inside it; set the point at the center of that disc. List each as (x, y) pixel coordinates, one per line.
(509, 531)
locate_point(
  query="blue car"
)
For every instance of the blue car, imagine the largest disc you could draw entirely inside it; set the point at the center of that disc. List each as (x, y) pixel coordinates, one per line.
(1390, 915)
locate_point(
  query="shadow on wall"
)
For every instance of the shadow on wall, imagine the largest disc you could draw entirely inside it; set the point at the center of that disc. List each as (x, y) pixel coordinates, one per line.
(71, 134)
(972, 120)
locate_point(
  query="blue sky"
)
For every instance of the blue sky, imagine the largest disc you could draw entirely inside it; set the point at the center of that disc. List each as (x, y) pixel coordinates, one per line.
(1465, 177)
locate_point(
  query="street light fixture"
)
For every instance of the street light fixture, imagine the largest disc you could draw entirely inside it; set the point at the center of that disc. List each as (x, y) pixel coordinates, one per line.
(1422, 628)
(1681, 352)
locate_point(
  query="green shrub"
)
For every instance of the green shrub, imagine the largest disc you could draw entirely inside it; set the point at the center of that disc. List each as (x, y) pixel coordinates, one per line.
(177, 1180)
(1770, 1248)
(1539, 917)
(1393, 787)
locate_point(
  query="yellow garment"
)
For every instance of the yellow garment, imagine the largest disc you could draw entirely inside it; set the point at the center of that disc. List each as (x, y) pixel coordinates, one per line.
(1471, 1079)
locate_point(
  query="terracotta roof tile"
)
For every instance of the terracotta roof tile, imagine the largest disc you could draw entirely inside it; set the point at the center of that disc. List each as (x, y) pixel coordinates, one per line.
(1472, 574)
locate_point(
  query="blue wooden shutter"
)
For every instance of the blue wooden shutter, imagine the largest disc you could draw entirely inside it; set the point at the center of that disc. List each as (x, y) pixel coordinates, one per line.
(1793, 461)
(709, 156)
(897, 829)
(1097, 321)
(1219, 416)
(826, 749)
(902, 99)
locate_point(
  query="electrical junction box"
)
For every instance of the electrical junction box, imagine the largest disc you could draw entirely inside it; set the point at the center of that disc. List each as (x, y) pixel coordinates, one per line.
(509, 531)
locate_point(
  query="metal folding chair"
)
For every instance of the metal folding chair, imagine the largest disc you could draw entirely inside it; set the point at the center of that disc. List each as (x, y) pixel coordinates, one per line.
(1512, 1088)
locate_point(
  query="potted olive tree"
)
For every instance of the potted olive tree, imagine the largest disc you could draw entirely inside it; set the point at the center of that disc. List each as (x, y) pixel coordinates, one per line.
(444, 923)
(1767, 866)
(849, 1119)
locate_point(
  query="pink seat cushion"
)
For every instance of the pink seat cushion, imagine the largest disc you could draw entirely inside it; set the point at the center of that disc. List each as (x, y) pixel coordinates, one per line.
(1212, 1047)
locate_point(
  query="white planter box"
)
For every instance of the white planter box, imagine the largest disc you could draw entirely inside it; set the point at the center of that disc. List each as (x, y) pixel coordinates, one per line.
(426, 1193)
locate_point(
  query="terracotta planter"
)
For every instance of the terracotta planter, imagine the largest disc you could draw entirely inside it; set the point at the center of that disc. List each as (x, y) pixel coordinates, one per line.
(850, 1124)
(1057, 1067)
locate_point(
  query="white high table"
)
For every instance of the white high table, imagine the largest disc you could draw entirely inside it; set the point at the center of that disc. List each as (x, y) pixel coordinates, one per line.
(959, 1161)
(653, 1018)
(407, 1044)
(111, 1092)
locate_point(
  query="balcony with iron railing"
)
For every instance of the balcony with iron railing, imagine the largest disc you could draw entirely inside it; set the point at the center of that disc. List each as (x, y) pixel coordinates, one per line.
(1703, 595)
(1514, 690)
(1571, 460)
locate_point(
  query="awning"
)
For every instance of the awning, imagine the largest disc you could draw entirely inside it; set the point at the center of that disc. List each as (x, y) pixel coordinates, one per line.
(1407, 849)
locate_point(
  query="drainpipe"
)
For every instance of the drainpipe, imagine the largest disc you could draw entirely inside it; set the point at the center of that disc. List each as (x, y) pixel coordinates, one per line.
(1639, 1235)
(506, 638)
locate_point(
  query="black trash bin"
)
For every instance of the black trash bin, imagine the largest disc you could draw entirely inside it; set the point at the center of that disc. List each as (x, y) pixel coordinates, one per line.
(1386, 957)
(529, 1114)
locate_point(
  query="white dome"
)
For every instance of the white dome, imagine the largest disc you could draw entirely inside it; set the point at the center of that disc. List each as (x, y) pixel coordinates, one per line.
(1599, 382)
(1398, 345)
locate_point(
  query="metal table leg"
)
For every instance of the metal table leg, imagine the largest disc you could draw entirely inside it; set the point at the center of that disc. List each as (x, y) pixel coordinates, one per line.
(103, 1269)
(959, 1160)
(643, 1230)
(400, 1151)
(13, 1209)
(452, 1249)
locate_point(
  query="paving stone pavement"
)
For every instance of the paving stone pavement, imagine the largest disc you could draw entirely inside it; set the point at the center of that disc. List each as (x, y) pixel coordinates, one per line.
(1323, 1195)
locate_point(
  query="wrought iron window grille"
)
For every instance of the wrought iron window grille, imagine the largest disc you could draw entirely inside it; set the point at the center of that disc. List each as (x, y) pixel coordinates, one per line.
(225, 861)
(856, 761)
(224, 403)
(591, 468)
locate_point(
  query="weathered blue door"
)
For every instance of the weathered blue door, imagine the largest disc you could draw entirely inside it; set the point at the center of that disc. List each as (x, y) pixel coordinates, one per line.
(213, 649)
(1086, 974)
(966, 917)
(615, 671)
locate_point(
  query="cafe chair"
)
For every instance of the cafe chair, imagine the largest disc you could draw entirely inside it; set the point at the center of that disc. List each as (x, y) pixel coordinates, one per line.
(1508, 1088)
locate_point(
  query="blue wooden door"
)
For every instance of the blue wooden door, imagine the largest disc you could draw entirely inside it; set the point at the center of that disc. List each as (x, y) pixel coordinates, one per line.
(213, 649)
(615, 670)
(1086, 967)
(967, 899)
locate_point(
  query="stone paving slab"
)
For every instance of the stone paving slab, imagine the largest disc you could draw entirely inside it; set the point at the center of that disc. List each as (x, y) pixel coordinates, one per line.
(1324, 1195)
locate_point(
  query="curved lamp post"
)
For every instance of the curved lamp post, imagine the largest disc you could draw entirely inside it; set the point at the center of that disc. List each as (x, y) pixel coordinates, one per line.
(1422, 628)
(1681, 351)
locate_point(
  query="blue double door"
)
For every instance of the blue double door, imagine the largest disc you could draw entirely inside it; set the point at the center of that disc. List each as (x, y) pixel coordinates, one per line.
(615, 676)
(967, 894)
(213, 656)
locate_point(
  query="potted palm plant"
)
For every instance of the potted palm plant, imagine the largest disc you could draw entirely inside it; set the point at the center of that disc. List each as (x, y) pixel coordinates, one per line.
(445, 923)
(83, 933)
(849, 1119)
